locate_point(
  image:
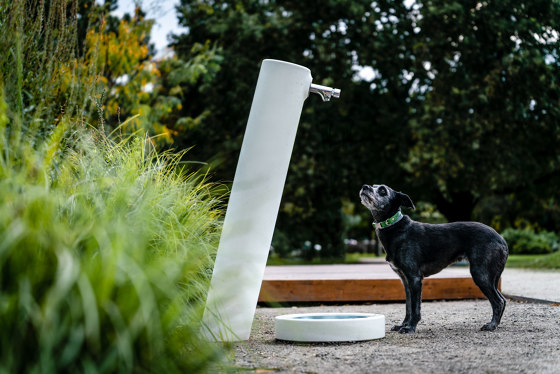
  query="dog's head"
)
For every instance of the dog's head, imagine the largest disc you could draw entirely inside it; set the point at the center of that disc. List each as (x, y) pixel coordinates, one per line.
(383, 201)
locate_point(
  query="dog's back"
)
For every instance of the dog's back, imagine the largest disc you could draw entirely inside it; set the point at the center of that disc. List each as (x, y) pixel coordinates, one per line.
(434, 247)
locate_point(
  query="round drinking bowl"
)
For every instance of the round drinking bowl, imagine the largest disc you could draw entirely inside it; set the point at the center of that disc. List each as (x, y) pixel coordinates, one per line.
(329, 327)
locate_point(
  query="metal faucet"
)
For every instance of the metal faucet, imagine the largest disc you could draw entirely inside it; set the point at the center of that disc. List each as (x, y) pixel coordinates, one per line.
(325, 92)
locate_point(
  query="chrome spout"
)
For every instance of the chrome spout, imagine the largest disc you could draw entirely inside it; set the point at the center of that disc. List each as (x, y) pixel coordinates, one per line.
(325, 92)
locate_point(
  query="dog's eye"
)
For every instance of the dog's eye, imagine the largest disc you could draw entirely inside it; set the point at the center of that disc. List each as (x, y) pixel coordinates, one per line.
(382, 191)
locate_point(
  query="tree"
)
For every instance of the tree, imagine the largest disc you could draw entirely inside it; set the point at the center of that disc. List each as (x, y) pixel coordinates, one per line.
(136, 90)
(486, 118)
(409, 123)
(332, 155)
(178, 81)
(123, 58)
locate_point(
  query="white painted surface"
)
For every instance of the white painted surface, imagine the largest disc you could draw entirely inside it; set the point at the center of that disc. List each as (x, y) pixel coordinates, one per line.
(329, 327)
(255, 199)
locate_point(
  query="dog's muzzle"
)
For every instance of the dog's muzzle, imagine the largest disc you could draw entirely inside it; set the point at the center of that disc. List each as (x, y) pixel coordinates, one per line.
(366, 195)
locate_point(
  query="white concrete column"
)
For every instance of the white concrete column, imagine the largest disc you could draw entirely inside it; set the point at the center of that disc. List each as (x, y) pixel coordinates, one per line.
(255, 198)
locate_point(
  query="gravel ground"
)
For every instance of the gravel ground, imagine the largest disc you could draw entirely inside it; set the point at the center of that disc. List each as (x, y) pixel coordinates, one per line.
(447, 340)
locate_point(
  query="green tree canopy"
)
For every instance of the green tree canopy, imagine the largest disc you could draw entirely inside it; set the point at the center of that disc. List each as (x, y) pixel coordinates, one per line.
(459, 103)
(485, 118)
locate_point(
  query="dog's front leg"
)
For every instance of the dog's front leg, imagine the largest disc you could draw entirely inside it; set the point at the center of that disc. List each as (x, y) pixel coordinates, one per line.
(415, 290)
(406, 320)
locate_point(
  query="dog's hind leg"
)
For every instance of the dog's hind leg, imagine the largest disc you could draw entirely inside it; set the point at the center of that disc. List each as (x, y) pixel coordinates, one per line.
(487, 281)
(496, 284)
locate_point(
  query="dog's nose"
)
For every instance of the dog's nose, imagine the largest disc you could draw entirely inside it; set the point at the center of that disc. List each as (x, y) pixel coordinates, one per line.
(365, 187)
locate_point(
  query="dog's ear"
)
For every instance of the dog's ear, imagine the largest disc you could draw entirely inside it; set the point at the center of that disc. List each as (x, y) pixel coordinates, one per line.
(405, 200)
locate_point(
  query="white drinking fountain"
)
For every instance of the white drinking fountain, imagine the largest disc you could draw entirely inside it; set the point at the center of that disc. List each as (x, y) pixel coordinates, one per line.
(282, 87)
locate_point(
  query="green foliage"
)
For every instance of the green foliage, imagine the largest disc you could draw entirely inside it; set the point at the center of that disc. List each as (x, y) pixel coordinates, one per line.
(131, 82)
(106, 245)
(74, 58)
(281, 245)
(486, 114)
(426, 212)
(38, 65)
(329, 153)
(105, 258)
(527, 241)
(461, 102)
(170, 109)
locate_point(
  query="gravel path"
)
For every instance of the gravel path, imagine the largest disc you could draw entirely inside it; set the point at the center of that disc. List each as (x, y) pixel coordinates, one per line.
(447, 340)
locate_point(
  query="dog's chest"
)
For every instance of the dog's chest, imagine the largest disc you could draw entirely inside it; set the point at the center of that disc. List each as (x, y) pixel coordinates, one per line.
(393, 266)
(397, 269)
(392, 245)
(391, 259)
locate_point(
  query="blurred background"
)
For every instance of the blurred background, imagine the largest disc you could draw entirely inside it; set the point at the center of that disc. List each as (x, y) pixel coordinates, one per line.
(455, 103)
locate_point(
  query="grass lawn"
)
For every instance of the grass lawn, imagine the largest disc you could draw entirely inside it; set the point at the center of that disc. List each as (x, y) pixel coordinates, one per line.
(549, 261)
(349, 258)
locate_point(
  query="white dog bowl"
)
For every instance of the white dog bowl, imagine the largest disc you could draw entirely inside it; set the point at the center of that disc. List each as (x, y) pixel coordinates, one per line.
(329, 327)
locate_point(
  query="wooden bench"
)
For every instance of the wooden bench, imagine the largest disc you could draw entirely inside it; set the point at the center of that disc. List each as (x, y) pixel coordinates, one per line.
(359, 283)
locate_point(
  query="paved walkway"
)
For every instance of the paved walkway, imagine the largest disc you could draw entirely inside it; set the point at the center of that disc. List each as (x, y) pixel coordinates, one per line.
(535, 284)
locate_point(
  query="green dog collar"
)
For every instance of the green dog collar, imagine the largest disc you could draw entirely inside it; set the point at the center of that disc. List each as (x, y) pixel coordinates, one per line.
(390, 221)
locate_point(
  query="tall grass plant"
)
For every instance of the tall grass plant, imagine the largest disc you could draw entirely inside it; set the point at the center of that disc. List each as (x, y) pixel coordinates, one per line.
(106, 245)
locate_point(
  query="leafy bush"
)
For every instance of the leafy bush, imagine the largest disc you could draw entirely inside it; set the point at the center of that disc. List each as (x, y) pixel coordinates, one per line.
(526, 241)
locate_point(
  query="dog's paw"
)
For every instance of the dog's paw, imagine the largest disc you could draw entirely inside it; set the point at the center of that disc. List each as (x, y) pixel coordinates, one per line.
(488, 327)
(396, 327)
(407, 330)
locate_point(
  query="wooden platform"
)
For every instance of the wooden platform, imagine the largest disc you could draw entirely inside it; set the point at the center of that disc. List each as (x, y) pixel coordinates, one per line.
(358, 283)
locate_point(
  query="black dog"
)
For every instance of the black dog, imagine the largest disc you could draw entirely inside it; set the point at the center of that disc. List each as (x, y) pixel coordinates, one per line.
(416, 250)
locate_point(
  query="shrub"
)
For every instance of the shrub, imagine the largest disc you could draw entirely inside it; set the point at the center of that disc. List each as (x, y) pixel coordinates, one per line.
(526, 241)
(106, 246)
(105, 257)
